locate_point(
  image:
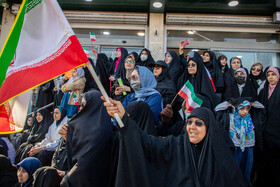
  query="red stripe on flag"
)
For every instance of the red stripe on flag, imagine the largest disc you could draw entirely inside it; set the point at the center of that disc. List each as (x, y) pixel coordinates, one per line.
(6, 118)
(23, 80)
(185, 96)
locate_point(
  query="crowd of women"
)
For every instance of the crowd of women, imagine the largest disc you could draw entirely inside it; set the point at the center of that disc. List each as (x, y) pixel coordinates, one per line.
(232, 139)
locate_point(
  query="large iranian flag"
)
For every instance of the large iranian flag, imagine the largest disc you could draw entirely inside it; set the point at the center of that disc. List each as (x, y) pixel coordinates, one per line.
(187, 93)
(40, 46)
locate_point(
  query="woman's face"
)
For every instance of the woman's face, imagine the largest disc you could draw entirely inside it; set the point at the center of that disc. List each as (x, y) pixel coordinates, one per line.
(135, 76)
(22, 175)
(39, 117)
(74, 73)
(223, 61)
(196, 129)
(271, 77)
(192, 67)
(157, 70)
(118, 53)
(167, 58)
(29, 121)
(129, 64)
(235, 64)
(56, 114)
(256, 70)
(206, 57)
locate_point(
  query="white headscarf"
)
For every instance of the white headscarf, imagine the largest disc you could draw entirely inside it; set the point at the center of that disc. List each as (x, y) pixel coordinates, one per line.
(81, 73)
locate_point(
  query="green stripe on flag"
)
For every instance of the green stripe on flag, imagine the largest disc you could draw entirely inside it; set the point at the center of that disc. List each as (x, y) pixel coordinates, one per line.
(9, 48)
(32, 4)
(193, 96)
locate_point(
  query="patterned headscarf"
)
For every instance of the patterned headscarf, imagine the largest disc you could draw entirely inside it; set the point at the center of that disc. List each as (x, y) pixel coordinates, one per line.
(243, 126)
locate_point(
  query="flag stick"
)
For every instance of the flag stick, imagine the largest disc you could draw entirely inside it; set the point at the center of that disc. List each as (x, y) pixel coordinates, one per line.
(104, 93)
(174, 99)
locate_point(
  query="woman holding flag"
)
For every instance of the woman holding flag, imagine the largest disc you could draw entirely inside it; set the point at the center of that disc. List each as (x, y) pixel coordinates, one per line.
(197, 76)
(199, 157)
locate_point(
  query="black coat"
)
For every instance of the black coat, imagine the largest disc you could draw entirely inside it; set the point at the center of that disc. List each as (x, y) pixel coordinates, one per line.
(89, 140)
(201, 84)
(124, 54)
(173, 161)
(103, 67)
(166, 87)
(174, 67)
(45, 95)
(215, 72)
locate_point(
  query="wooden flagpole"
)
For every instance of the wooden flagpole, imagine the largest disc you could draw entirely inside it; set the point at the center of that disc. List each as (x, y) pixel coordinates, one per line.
(104, 93)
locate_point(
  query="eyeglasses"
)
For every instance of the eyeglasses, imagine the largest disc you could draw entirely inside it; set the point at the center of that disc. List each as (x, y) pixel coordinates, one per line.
(156, 67)
(133, 77)
(129, 61)
(197, 123)
(191, 65)
(255, 69)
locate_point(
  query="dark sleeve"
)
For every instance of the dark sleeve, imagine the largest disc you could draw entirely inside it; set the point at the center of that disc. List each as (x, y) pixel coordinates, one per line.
(183, 61)
(219, 84)
(48, 87)
(175, 129)
(136, 140)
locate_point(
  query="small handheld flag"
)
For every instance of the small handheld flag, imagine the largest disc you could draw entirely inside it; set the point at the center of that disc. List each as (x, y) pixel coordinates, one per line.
(92, 36)
(187, 93)
(86, 51)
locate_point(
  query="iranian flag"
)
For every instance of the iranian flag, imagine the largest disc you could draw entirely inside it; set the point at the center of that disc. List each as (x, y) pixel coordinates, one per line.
(40, 46)
(187, 93)
(86, 52)
(92, 36)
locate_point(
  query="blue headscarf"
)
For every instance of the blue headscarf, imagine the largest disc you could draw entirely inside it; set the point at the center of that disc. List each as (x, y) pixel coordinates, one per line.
(148, 84)
(243, 125)
(30, 165)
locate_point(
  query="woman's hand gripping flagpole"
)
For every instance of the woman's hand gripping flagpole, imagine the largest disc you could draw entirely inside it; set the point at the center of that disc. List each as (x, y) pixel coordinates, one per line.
(104, 93)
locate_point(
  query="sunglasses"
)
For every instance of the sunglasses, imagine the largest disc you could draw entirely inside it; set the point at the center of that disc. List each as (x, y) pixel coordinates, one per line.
(197, 123)
(191, 65)
(255, 69)
(129, 61)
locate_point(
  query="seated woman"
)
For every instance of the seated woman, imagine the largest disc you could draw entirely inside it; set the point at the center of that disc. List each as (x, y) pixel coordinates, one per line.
(45, 149)
(72, 92)
(26, 168)
(118, 92)
(39, 129)
(22, 137)
(143, 82)
(165, 86)
(199, 157)
(241, 87)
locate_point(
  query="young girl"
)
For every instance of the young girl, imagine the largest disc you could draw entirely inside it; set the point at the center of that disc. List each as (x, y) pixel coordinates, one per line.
(241, 128)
